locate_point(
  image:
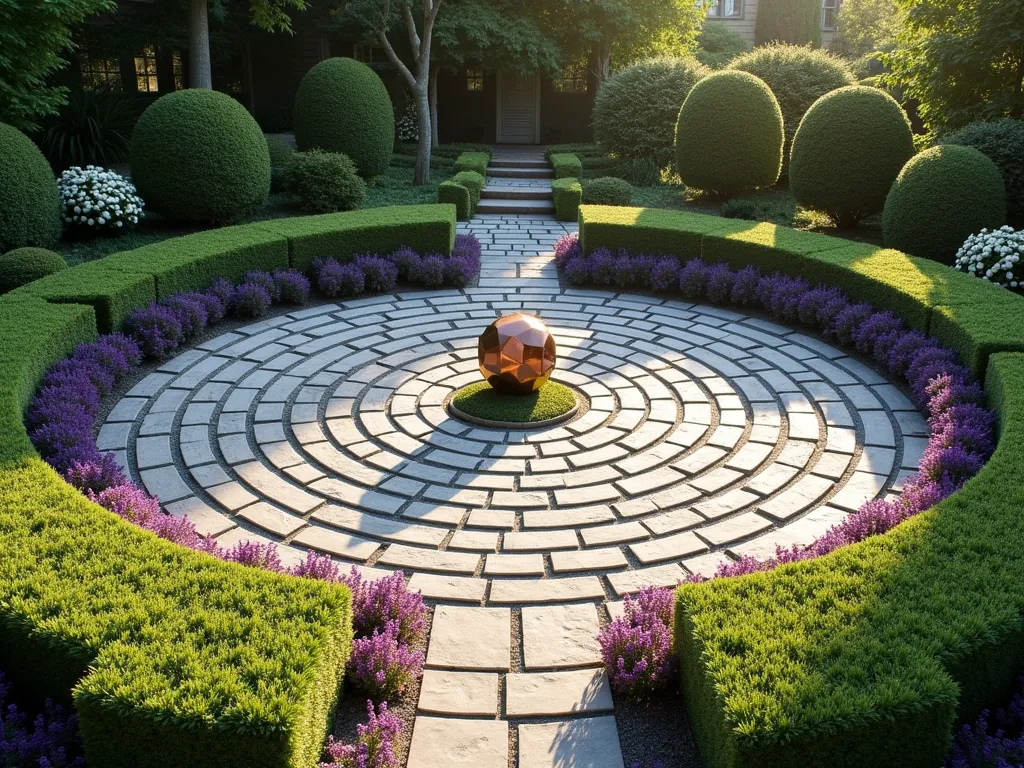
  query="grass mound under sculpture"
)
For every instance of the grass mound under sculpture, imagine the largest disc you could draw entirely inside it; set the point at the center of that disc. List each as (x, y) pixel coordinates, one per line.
(481, 401)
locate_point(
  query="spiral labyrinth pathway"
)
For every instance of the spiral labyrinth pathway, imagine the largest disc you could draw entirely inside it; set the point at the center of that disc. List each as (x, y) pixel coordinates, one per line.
(704, 436)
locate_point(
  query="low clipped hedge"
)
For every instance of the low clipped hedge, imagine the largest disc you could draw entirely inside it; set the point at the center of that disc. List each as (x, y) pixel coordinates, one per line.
(453, 193)
(476, 162)
(475, 183)
(608, 190)
(875, 650)
(176, 659)
(568, 195)
(23, 265)
(343, 106)
(566, 165)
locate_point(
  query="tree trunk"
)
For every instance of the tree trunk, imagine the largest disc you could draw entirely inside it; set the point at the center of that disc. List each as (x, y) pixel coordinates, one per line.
(435, 140)
(604, 63)
(422, 174)
(199, 73)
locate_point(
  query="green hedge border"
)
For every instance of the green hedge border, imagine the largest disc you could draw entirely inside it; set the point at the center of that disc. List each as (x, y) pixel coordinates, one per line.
(566, 165)
(473, 161)
(568, 196)
(176, 659)
(868, 655)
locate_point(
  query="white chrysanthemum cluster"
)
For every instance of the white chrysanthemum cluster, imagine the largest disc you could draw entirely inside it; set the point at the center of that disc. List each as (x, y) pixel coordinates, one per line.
(96, 199)
(407, 127)
(994, 256)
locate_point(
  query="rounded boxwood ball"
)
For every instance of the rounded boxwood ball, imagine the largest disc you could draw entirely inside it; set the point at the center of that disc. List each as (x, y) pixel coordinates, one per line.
(608, 190)
(343, 106)
(200, 155)
(23, 265)
(940, 197)
(847, 152)
(729, 134)
(29, 201)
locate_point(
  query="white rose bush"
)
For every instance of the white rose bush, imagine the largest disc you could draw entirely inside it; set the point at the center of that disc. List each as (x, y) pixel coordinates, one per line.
(96, 200)
(406, 127)
(994, 256)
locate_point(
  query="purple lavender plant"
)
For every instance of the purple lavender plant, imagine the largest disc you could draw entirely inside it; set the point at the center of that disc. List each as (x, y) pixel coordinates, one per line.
(992, 741)
(266, 281)
(664, 274)
(50, 740)
(292, 286)
(250, 300)
(602, 266)
(382, 666)
(467, 246)
(338, 280)
(461, 270)
(374, 747)
(96, 476)
(567, 248)
(157, 330)
(377, 603)
(429, 271)
(406, 259)
(720, 282)
(381, 274)
(191, 312)
(577, 271)
(223, 290)
(637, 647)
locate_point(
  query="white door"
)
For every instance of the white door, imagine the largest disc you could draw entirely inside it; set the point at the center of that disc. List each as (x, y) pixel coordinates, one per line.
(517, 109)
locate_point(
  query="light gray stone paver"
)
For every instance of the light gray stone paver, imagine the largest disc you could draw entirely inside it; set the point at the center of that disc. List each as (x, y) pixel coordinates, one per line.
(458, 743)
(545, 694)
(560, 636)
(583, 743)
(470, 638)
(446, 692)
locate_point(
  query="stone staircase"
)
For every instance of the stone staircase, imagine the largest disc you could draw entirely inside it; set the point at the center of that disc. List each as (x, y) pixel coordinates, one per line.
(518, 181)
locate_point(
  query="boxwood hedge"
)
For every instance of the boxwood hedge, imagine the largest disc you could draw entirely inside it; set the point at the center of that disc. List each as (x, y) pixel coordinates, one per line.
(175, 658)
(873, 651)
(566, 165)
(567, 194)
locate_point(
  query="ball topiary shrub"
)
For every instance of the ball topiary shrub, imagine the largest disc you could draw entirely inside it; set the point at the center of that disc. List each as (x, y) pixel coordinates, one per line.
(343, 106)
(200, 155)
(29, 201)
(608, 191)
(729, 134)
(23, 265)
(323, 182)
(1002, 142)
(636, 108)
(797, 75)
(848, 150)
(942, 196)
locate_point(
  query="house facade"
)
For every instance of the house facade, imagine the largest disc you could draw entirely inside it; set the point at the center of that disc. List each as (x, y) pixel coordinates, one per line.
(741, 15)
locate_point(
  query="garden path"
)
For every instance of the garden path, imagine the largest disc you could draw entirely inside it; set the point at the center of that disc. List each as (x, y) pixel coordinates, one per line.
(708, 435)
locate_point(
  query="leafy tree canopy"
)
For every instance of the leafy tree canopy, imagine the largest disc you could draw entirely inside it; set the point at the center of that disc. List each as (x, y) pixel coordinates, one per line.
(962, 61)
(494, 34)
(867, 26)
(34, 35)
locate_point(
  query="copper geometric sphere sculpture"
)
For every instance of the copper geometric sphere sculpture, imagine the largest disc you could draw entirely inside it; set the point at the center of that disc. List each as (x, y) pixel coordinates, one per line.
(516, 354)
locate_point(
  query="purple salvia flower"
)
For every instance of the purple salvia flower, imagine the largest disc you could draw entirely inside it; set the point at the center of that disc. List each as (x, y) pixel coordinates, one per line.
(665, 274)
(292, 286)
(381, 274)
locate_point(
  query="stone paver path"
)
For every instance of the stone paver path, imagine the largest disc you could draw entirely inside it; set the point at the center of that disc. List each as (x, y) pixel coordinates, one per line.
(706, 435)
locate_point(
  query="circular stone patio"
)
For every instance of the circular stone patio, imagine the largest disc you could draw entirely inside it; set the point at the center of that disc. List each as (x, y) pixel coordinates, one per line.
(709, 435)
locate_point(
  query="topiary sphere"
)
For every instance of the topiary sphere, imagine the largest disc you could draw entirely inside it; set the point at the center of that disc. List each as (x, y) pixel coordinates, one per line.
(343, 106)
(798, 76)
(608, 191)
(29, 201)
(200, 155)
(729, 134)
(942, 196)
(23, 265)
(848, 150)
(636, 108)
(1002, 142)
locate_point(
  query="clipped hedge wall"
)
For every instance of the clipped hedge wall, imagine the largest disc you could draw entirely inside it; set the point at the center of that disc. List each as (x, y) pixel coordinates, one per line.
(873, 651)
(453, 193)
(475, 183)
(343, 106)
(200, 155)
(566, 165)
(29, 201)
(473, 161)
(177, 659)
(982, 318)
(568, 195)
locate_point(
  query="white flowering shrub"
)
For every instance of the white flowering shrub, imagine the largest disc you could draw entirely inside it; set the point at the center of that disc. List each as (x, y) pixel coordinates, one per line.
(993, 256)
(97, 200)
(407, 128)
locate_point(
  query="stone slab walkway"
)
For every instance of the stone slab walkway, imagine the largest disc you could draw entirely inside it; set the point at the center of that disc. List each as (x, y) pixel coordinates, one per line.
(707, 435)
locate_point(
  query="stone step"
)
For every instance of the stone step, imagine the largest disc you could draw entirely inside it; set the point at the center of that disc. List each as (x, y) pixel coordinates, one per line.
(514, 162)
(515, 193)
(520, 173)
(515, 206)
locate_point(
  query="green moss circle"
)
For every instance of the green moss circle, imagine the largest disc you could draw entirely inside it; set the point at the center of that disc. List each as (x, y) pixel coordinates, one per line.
(343, 106)
(481, 401)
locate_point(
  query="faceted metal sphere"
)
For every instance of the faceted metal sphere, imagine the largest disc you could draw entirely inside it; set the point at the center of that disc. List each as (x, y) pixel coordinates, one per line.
(516, 354)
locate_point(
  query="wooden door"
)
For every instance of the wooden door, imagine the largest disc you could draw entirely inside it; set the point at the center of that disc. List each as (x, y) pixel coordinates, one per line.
(517, 106)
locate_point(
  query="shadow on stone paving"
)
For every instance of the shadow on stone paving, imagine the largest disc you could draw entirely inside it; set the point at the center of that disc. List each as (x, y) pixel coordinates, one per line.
(657, 729)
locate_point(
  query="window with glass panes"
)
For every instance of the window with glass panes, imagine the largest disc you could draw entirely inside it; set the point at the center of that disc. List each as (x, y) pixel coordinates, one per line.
(145, 71)
(829, 13)
(474, 79)
(178, 69)
(101, 73)
(726, 9)
(573, 79)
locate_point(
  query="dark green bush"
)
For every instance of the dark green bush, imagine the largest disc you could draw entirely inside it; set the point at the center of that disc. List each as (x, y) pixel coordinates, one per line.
(29, 201)
(343, 106)
(459, 196)
(93, 128)
(567, 194)
(200, 155)
(566, 165)
(635, 110)
(23, 265)
(280, 153)
(476, 162)
(475, 183)
(718, 44)
(323, 182)
(729, 135)
(1002, 142)
(797, 75)
(608, 191)
(797, 22)
(850, 146)
(640, 172)
(939, 198)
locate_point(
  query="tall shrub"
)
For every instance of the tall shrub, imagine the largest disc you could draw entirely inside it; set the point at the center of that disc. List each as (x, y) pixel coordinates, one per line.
(729, 134)
(342, 106)
(848, 150)
(635, 110)
(200, 155)
(788, 21)
(1002, 142)
(29, 201)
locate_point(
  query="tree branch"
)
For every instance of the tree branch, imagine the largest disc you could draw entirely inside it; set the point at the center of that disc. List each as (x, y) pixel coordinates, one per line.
(414, 38)
(393, 58)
